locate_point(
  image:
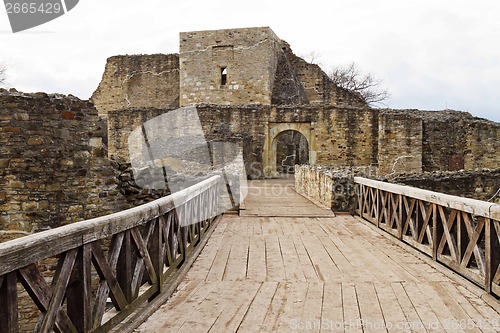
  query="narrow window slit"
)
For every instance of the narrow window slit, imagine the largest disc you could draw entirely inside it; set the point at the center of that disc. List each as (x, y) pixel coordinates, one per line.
(223, 76)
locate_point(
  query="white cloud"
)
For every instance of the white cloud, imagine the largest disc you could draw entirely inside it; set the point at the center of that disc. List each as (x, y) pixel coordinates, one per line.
(429, 53)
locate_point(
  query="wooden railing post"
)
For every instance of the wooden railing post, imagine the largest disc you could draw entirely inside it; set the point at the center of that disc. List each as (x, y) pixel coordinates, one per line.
(360, 197)
(492, 255)
(79, 291)
(124, 267)
(400, 217)
(436, 235)
(488, 232)
(156, 251)
(9, 320)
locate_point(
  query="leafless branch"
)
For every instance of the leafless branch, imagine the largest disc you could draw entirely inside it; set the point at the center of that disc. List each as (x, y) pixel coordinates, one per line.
(311, 57)
(367, 85)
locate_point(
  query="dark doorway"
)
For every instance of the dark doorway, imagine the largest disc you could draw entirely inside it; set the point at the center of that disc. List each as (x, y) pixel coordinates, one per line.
(291, 148)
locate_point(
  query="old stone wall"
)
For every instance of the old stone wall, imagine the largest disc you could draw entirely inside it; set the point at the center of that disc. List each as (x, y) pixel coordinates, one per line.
(238, 125)
(314, 183)
(287, 89)
(395, 140)
(249, 86)
(482, 144)
(480, 184)
(443, 139)
(121, 123)
(53, 165)
(331, 187)
(438, 140)
(345, 137)
(138, 81)
(399, 142)
(229, 67)
(348, 137)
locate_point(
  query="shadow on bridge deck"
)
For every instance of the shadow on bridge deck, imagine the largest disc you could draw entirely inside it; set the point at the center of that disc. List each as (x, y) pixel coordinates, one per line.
(278, 269)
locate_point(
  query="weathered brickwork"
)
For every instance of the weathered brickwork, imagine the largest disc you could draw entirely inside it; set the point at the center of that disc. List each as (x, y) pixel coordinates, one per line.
(482, 144)
(348, 137)
(396, 141)
(231, 67)
(248, 127)
(480, 184)
(138, 81)
(53, 165)
(445, 140)
(228, 67)
(281, 91)
(400, 143)
(333, 189)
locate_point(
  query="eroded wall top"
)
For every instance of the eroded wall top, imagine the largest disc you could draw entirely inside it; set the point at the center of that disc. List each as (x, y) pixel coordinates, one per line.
(134, 81)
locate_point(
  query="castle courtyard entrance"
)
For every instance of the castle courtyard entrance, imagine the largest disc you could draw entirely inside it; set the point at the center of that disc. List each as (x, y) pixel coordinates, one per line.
(288, 144)
(291, 148)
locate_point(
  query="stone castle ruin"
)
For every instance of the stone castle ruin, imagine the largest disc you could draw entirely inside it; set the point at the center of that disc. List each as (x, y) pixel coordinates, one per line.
(250, 89)
(64, 160)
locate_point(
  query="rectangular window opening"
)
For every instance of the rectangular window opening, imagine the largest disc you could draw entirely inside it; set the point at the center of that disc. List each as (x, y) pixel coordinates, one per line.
(223, 76)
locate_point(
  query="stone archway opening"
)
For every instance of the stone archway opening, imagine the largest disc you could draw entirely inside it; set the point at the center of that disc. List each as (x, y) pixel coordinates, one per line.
(270, 151)
(292, 148)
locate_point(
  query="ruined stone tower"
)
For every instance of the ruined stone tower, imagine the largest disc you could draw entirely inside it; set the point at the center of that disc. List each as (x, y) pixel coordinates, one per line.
(229, 67)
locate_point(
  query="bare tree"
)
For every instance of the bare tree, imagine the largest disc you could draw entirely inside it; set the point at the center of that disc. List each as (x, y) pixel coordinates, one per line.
(369, 87)
(311, 57)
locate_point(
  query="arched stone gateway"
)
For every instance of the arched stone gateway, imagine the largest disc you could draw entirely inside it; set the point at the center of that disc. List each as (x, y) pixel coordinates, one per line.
(292, 149)
(271, 144)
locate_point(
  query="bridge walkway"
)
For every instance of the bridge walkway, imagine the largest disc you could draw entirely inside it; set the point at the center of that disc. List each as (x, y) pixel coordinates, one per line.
(287, 265)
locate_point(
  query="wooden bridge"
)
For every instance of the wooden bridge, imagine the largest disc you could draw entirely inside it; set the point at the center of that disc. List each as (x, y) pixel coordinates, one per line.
(410, 261)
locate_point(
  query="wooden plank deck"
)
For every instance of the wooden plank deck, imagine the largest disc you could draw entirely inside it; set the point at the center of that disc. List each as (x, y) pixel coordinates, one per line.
(264, 272)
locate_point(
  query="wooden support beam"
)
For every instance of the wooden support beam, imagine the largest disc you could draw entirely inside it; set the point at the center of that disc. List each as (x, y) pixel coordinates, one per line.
(9, 320)
(79, 291)
(124, 269)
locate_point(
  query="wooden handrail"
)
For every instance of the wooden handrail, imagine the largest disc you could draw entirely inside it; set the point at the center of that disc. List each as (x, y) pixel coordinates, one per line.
(22, 251)
(132, 253)
(460, 233)
(476, 207)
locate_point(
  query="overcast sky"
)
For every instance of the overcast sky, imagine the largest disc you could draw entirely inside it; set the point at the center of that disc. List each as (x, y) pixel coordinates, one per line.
(431, 54)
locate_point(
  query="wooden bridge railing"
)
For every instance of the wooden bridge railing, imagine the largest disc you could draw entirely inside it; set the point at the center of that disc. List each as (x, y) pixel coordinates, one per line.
(461, 233)
(124, 256)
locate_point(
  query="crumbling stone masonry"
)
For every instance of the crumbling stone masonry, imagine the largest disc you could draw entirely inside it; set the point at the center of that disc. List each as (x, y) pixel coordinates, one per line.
(53, 163)
(480, 184)
(333, 189)
(138, 81)
(249, 87)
